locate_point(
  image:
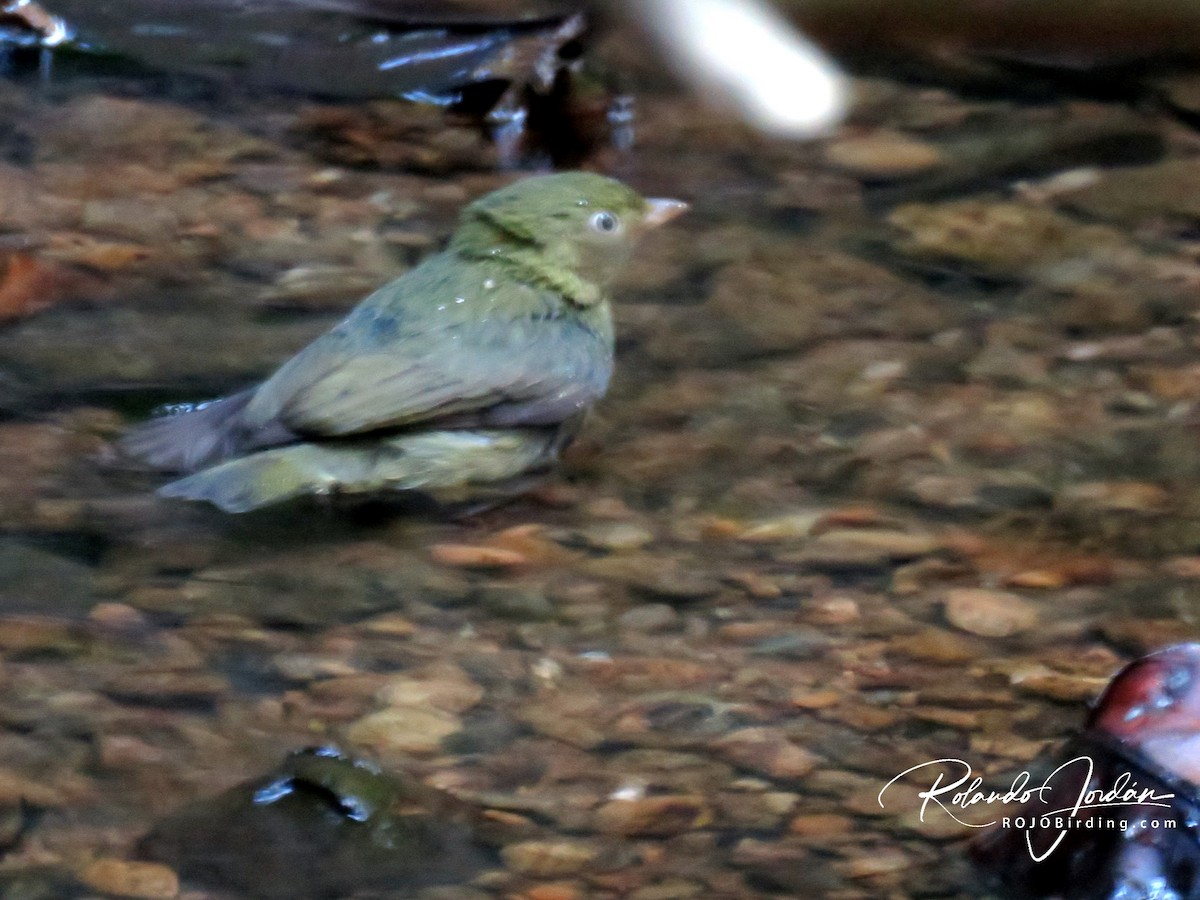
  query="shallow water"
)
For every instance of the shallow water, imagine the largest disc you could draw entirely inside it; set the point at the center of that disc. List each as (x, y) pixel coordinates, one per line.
(899, 464)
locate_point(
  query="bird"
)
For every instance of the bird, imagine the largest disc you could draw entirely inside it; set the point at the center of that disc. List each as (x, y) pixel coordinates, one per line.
(467, 374)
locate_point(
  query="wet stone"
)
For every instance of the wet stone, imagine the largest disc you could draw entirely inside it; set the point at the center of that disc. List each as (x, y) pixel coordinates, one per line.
(882, 155)
(989, 613)
(321, 825)
(32, 636)
(617, 537)
(653, 816)
(168, 688)
(136, 880)
(1000, 239)
(400, 730)
(650, 618)
(667, 580)
(35, 580)
(549, 859)
(522, 603)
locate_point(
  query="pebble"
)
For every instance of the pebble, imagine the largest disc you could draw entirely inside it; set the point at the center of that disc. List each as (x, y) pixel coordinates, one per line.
(988, 613)
(16, 787)
(658, 578)
(401, 730)
(1117, 496)
(937, 645)
(766, 751)
(1059, 686)
(33, 635)
(117, 618)
(518, 602)
(473, 556)
(549, 858)
(442, 686)
(656, 816)
(882, 155)
(832, 611)
(892, 545)
(821, 825)
(650, 618)
(168, 687)
(669, 889)
(782, 528)
(138, 880)
(881, 862)
(557, 890)
(617, 537)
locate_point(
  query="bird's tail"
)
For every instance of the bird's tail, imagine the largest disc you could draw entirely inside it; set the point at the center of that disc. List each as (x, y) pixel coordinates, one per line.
(448, 465)
(194, 437)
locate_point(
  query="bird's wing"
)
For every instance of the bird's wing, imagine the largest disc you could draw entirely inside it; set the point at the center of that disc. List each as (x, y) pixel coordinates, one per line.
(524, 371)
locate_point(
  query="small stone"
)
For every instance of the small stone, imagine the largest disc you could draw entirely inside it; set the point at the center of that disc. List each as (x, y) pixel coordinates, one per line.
(820, 825)
(559, 890)
(786, 865)
(887, 543)
(782, 528)
(519, 602)
(862, 717)
(473, 556)
(548, 858)
(661, 579)
(16, 788)
(617, 537)
(35, 635)
(1037, 579)
(882, 155)
(1117, 496)
(400, 730)
(803, 698)
(832, 611)
(658, 815)
(390, 625)
(766, 751)
(168, 687)
(649, 618)
(757, 586)
(880, 862)
(1042, 682)
(938, 646)
(117, 617)
(445, 687)
(962, 719)
(669, 889)
(122, 878)
(988, 613)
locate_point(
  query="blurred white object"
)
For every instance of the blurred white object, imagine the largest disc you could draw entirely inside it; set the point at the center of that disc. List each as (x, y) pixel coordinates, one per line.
(743, 52)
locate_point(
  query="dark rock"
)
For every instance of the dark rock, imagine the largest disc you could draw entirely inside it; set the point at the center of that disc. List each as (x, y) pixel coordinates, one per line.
(322, 825)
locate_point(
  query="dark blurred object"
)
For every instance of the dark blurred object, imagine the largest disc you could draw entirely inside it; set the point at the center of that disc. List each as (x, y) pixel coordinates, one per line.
(512, 65)
(1142, 734)
(322, 825)
(1075, 33)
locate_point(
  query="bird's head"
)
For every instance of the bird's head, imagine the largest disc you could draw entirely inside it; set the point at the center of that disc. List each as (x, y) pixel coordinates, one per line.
(576, 229)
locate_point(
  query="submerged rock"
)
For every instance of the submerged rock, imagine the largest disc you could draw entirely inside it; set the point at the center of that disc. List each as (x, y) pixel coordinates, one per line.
(322, 825)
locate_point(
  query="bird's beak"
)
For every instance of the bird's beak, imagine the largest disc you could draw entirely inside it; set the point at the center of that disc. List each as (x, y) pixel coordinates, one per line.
(660, 211)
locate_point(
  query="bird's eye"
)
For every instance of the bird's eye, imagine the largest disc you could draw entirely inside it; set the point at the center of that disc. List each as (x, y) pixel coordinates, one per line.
(604, 222)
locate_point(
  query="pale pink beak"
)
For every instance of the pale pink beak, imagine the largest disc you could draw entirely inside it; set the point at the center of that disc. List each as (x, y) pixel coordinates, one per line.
(660, 210)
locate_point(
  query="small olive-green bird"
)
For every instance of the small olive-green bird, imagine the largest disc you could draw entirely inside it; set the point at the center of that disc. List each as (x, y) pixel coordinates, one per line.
(468, 373)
